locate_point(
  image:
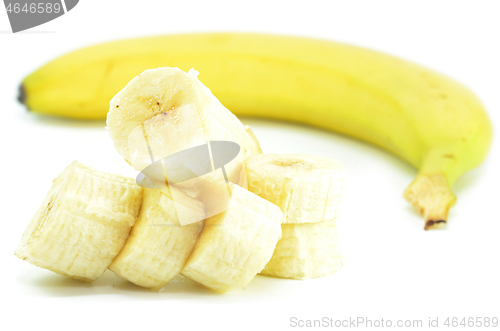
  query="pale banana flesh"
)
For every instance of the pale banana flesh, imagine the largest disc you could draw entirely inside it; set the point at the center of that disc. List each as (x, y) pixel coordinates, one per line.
(82, 224)
(237, 244)
(234, 245)
(158, 246)
(306, 251)
(309, 191)
(307, 188)
(159, 113)
(165, 111)
(431, 121)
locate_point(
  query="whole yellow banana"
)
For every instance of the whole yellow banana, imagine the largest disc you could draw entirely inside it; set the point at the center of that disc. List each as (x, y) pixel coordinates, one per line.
(431, 121)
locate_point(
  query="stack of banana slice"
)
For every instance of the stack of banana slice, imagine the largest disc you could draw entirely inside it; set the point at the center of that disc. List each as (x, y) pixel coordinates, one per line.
(165, 111)
(208, 227)
(308, 189)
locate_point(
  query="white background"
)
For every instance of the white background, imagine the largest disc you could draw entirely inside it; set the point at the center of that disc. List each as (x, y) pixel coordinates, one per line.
(393, 269)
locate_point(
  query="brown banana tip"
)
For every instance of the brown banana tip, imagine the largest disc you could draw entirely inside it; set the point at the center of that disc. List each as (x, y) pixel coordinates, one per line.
(21, 97)
(431, 224)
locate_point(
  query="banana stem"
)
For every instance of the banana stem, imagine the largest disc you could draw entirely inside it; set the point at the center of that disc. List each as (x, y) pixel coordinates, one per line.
(431, 195)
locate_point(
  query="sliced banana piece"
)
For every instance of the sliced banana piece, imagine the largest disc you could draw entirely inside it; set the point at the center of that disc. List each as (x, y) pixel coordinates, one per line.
(307, 188)
(166, 123)
(158, 246)
(306, 251)
(82, 224)
(237, 244)
(166, 110)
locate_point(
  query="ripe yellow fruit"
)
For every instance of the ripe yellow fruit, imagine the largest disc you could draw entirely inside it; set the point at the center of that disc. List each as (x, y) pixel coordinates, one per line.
(431, 121)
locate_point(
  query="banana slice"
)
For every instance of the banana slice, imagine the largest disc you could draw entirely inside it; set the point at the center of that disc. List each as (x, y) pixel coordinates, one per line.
(237, 244)
(307, 188)
(166, 110)
(306, 251)
(82, 223)
(158, 246)
(167, 123)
